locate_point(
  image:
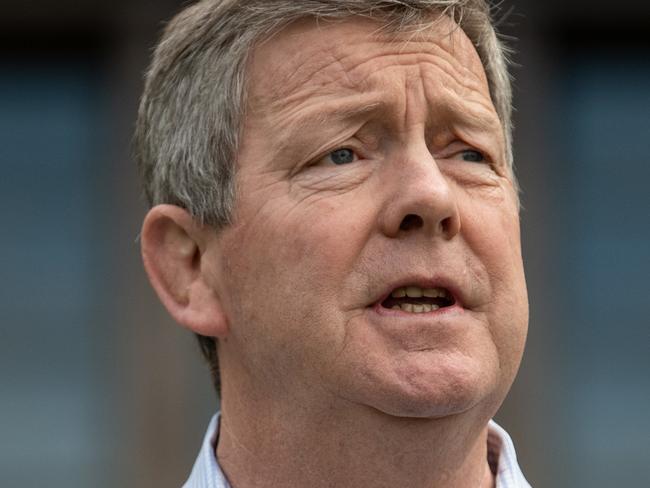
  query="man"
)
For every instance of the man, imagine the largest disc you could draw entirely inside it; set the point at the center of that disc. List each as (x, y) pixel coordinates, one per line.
(335, 213)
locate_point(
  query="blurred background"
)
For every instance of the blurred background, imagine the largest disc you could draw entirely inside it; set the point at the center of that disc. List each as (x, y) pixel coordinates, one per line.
(99, 388)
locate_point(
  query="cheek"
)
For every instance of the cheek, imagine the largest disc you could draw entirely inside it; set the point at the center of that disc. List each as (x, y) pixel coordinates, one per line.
(491, 228)
(323, 236)
(493, 236)
(286, 266)
(295, 248)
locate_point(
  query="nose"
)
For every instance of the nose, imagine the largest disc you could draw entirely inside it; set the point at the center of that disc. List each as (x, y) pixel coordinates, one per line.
(420, 199)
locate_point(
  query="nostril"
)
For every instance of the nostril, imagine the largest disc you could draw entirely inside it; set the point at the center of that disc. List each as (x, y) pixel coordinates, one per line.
(411, 221)
(447, 226)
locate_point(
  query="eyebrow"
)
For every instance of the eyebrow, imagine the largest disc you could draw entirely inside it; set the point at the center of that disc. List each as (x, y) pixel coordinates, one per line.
(442, 108)
(347, 111)
(313, 117)
(481, 119)
(445, 113)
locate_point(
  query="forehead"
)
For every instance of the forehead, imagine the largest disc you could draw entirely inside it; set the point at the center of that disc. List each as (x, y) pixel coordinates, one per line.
(330, 56)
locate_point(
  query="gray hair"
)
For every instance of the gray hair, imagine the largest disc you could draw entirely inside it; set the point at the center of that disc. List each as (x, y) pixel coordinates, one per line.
(191, 112)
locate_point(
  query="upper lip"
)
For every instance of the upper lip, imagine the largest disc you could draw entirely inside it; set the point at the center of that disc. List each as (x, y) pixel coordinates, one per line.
(445, 282)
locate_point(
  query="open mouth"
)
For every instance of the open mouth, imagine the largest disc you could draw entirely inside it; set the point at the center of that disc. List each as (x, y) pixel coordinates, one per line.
(413, 299)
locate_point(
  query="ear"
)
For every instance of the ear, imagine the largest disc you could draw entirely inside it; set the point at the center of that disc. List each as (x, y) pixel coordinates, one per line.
(174, 250)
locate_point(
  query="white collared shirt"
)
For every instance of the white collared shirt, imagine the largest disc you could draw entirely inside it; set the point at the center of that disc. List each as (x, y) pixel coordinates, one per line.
(206, 472)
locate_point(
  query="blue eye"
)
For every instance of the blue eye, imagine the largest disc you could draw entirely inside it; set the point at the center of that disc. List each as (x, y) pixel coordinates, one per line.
(342, 156)
(472, 156)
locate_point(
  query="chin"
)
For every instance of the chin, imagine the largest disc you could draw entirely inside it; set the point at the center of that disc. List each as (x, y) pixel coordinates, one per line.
(435, 392)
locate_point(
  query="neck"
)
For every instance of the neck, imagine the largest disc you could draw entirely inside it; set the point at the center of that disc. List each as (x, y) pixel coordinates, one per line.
(264, 445)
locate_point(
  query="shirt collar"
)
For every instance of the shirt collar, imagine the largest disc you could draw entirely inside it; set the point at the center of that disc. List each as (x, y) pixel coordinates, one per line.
(206, 472)
(501, 452)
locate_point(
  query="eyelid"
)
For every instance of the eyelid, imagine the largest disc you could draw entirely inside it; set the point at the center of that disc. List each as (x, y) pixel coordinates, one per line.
(346, 145)
(456, 148)
(478, 151)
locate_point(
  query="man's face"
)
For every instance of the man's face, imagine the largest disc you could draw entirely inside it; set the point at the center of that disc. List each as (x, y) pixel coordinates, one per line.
(372, 166)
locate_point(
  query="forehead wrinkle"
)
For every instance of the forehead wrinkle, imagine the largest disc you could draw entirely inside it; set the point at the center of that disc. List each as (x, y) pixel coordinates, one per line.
(453, 47)
(333, 65)
(465, 103)
(456, 88)
(301, 76)
(440, 59)
(332, 54)
(284, 94)
(466, 98)
(462, 67)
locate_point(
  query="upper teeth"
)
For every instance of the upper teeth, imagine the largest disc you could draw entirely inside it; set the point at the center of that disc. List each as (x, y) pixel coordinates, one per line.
(417, 292)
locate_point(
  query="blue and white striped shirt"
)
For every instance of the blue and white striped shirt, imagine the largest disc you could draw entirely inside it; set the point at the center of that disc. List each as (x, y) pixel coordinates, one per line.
(501, 451)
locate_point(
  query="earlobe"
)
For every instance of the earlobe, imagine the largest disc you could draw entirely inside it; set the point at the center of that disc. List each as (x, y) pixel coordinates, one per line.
(173, 249)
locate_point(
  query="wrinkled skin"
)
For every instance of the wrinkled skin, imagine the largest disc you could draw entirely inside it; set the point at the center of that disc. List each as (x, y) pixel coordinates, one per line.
(424, 197)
